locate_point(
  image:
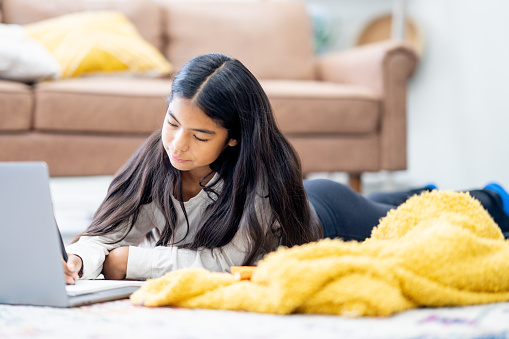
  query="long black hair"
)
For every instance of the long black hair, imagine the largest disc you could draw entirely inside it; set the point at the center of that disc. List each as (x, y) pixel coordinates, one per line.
(262, 162)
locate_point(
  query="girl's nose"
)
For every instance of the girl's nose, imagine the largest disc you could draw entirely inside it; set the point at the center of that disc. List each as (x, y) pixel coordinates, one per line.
(180, 141)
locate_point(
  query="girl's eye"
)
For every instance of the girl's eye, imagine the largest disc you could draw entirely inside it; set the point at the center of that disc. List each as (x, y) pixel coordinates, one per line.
(200, 139)
(171, 124)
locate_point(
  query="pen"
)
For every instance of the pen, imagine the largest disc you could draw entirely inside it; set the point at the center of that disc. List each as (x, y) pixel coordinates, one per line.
(62, 247)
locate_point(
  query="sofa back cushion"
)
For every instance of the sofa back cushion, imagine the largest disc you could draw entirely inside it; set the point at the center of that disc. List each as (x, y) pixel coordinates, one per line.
(273, 39)
(144, 14)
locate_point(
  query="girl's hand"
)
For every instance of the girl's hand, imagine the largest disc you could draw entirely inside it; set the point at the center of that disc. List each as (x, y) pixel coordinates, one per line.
(115, 264)
(71, 268)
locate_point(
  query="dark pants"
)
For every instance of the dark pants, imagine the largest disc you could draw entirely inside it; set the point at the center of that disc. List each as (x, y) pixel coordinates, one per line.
(349, 215)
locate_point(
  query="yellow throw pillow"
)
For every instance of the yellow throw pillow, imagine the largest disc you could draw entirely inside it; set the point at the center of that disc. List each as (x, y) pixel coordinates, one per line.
(87, 43)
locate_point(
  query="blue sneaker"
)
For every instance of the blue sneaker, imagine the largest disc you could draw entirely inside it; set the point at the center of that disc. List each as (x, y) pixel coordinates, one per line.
(497, 188)
(431, 186)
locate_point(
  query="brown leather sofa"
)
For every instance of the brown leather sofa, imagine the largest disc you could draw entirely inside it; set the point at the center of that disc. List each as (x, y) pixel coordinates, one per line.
(344, 111)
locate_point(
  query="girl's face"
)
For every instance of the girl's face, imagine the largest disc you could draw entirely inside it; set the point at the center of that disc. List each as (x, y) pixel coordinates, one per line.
(191, 139)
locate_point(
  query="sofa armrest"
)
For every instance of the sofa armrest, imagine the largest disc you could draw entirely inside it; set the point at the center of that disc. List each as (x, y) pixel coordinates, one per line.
(384, 67)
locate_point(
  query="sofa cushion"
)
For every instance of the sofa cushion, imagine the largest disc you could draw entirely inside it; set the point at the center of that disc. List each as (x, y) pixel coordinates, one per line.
(144, 14)
(71, 154)
(101, 105)
(16, 102)
(272, 38)
(346, 152)
(94, 42)
(313, 107)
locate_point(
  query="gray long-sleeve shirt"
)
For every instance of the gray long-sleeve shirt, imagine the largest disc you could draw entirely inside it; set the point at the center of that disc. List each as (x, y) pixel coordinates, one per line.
(150, 261)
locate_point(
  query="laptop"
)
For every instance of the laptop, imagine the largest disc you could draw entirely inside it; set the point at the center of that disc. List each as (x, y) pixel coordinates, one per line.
(31, 248)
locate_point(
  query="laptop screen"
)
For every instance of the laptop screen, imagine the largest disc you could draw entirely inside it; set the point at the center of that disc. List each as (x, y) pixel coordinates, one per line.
(30, 250)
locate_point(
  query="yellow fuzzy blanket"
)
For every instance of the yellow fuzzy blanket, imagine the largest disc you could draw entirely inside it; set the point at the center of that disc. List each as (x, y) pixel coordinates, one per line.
(437, 249)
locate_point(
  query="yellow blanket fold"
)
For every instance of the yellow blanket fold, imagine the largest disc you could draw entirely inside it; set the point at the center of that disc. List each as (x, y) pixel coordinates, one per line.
(440, 248)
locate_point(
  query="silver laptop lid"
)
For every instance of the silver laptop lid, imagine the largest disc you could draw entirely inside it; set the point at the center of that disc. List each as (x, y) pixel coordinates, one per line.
(30, 253)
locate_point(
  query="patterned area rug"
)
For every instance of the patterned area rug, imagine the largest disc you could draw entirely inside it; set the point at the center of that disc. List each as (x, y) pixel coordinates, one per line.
(122, 319)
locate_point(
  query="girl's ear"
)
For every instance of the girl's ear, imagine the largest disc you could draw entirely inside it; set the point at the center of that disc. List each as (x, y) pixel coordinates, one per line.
(232, 142)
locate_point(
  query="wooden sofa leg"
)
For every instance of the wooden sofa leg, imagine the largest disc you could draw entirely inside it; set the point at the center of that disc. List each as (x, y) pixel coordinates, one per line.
(354, 181)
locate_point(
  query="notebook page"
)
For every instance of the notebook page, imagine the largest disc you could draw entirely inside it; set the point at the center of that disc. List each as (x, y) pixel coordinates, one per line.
(89, 286)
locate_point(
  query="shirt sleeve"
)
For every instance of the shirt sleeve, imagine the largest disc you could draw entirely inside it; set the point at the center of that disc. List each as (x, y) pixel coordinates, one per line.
(93, 249)
(145, 263)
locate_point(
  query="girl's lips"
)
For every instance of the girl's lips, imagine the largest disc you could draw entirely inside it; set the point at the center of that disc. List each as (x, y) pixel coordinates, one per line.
(177, 159)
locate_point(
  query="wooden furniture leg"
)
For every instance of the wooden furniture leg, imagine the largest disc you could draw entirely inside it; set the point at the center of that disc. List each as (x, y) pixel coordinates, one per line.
(354, 181)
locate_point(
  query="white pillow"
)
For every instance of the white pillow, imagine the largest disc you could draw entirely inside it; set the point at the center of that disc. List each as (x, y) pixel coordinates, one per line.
(24, 59)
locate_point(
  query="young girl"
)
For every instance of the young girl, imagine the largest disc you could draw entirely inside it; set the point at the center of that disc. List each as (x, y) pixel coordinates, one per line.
(220, 186)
